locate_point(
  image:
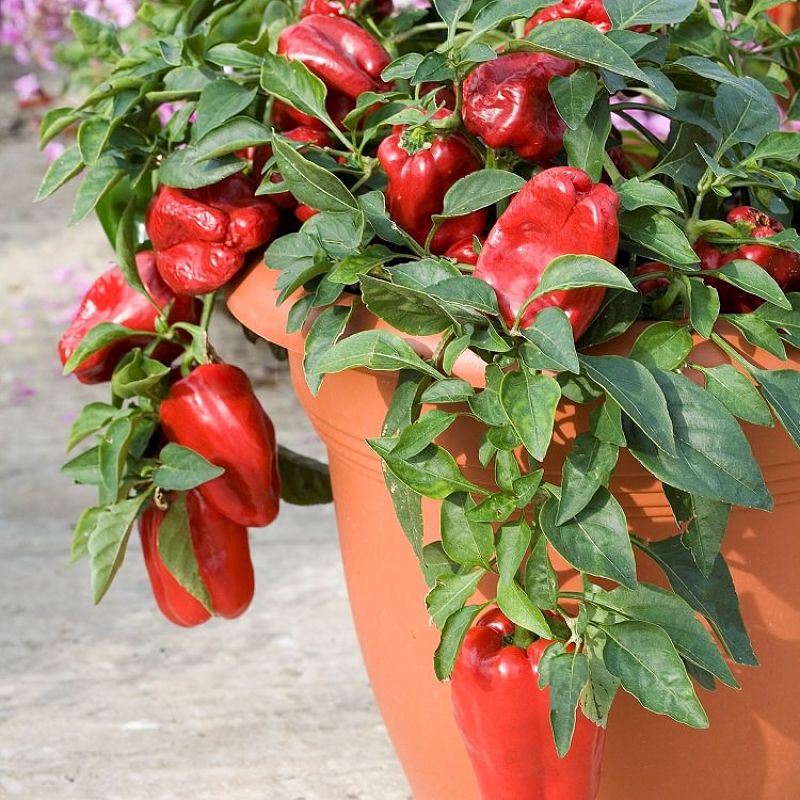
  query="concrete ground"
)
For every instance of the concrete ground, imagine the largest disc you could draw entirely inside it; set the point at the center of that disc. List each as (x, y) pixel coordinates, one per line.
(113, 701)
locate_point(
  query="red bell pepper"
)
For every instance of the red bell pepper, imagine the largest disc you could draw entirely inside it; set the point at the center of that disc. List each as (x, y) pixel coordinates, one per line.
(507, 104)
(504, 718)
(591, 11)
(464, 251)
(222, 550)
(782, 265)
(558, 212)
(340, 52)
(111, 299)
(335, 8)
(201, 236)
(421, 167)
(214, 412)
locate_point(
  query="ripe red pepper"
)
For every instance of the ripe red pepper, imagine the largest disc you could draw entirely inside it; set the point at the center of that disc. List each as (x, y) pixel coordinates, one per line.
(507, 104)
(421, 167)
(558, 212)
(214, 412)
(222, 550)
(334, 8)
(464, 251)
(111, 299)
(201, 236)
(782, 265)
(347, 58)
(648, 287)
(504, 718)
(591, 11)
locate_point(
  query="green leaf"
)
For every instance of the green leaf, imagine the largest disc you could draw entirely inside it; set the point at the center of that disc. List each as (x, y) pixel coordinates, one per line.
(304, 480)
(754, 279)
(551, 334)
(659, 235)
(578, 271)
(99, 179)
(55, 121)
(781, 388)
(512, 544)
(322, 336)
(92, 418)
(602, 686)
(466, 542)
(479, 190)
(500, 12)
(578, 40)
(619, 310)
(309, 183)
(530, 401)
(295, 84)
(81, 533)
(99, 38)
(573, 95)
(642, 656)
(713, 596)
(736, 393)
(112, 455)
(422, 432)
(588, 467)
(586, 144)
(125, 248)
(451, 390)
(541, 581)
(744, 114)
(137, 375)
(63, 169)
(759, 333)
(93, 135)
(177, 552)
(377, 350)
(595, 540)
(450, 594)
(465, 298)
(85, 467)
(636, 391)
(657, 606)
(520, 609)
(453, 633)
(229, 137)
(409, 310)
(219, 101)
(567, 674)
(629, 13)
(703, 306)
(712, 457)
(109, 540)
(786, 322)
(636, 193)
(777, 145)
(182, 469)
(662, 345)
(606, 421)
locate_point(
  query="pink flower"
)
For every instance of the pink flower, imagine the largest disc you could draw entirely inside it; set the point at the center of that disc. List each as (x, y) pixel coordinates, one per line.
(52, 150)
(28, 87)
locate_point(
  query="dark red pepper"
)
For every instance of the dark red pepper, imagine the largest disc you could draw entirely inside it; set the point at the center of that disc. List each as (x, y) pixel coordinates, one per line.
(421, 167)
(648, 287)
(464, 251)
(222, 550)
(591, 11)
(201, 236)
(558, 212)
(507, 104)
(782, 265)
(347, 58)
(111, 299)
(333, 8)
(215, 412)
(504, 718)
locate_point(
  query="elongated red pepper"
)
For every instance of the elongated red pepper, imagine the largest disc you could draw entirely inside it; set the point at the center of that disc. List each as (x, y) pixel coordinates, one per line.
(507, 104)
(421, 167)
(334, 8)
(222, 550)
(591, 11)
(201, 236)
(558, 212)
(214, 412)
(504, 718)
(340, 52)
(782, 265)
(111, 299)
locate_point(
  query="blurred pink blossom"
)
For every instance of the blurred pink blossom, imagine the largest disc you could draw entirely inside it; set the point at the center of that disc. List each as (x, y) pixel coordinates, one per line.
(27, 87)
(52, 150)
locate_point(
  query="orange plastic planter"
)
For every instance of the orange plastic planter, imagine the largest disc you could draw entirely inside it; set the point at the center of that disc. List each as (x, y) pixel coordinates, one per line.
(752, 751)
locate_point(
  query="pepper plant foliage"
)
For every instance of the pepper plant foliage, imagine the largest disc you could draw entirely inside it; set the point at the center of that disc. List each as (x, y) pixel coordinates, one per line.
(710, 72)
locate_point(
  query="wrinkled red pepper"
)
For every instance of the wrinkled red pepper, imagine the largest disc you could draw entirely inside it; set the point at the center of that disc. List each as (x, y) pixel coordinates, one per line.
(215, 412)
(558, 212)
(782, 265)
(340, 52)
(201, 236)
(111, 299)
(507, 104)
(222, 550)
(333, 8)
(421, 167)
(591, 11)
(504, 718)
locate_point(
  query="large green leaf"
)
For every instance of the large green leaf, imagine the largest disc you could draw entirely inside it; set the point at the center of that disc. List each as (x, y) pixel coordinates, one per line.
(530, 402)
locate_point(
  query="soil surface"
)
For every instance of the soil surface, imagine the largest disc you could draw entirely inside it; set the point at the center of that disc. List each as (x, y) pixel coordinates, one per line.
(113, 701)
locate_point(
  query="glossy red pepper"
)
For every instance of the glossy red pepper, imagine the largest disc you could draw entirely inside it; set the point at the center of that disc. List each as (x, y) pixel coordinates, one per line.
(464, 251)
(421, 167)
(507, 104)
(558, 212)
(201, 236)
(214, 412)
(504, 718)
(347, 58)
(111, 299)
(222, 550)
(648, 287)
(591, 11)
(782, 265)
(333, 8)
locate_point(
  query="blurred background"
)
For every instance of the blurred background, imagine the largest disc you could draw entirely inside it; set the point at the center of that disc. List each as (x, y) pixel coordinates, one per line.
(114, 701)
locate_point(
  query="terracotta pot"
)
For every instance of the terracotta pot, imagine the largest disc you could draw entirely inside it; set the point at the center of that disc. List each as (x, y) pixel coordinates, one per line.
(753, 748)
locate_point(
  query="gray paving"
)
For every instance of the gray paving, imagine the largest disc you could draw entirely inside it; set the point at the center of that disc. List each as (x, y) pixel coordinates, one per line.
(113, 701)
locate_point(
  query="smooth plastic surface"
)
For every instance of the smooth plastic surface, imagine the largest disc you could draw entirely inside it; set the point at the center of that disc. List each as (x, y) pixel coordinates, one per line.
(752, 751)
